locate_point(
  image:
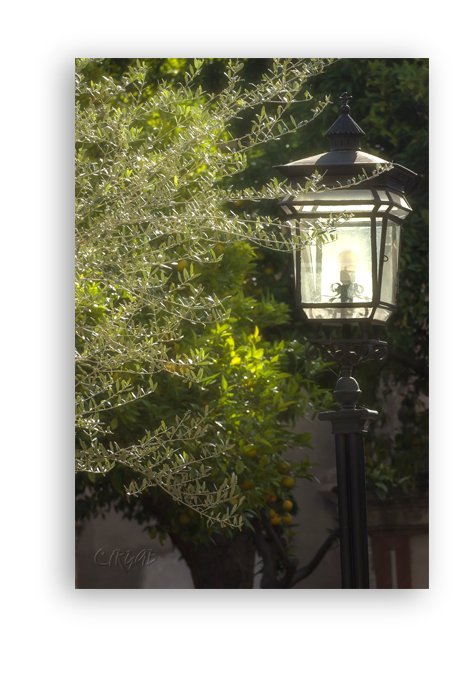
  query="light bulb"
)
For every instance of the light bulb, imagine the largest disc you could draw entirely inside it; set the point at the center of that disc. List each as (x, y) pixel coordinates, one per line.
(348, 261)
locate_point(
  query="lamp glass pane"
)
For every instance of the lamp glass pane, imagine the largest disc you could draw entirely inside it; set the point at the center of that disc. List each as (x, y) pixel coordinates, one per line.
(338, 313)
(337, 195)
(338, 208)
(399, 213)
(390, 264)
(340, 269)
(293, 231)
(399, 200)
(333, 208)
(331, 201)
(382, 314)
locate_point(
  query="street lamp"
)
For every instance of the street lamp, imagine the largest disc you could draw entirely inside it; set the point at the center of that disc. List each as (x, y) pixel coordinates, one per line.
(346, 278)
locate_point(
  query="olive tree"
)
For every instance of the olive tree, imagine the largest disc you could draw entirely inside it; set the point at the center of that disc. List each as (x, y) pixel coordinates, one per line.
(153, 204)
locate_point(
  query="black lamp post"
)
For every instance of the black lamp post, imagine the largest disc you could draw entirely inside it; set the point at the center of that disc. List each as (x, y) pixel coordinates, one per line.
(346, 279)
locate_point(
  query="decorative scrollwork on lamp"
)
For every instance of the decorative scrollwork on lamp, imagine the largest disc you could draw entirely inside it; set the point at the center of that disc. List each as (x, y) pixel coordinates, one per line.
(347, 352)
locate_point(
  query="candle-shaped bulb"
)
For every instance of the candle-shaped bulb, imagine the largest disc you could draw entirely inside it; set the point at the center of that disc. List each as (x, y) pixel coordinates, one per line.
(348, 261)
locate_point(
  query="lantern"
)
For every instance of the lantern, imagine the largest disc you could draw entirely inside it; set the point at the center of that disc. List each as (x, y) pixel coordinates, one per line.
(347, 274)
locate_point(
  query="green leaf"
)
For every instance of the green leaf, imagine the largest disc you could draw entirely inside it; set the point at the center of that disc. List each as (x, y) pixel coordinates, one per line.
(382, 486)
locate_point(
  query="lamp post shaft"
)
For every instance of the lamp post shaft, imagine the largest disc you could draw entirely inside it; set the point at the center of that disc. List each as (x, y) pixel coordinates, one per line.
(359, 528)
(349, 425)
(343, 510)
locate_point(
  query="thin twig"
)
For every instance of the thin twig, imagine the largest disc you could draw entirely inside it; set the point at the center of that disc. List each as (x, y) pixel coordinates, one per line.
(305, 571)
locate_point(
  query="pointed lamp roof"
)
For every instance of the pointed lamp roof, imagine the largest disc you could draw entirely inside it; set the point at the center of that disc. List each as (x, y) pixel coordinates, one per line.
(345, 158)
(345, 133)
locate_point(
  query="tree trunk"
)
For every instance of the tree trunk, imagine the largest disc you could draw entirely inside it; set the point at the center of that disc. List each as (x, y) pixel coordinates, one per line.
(225, 563)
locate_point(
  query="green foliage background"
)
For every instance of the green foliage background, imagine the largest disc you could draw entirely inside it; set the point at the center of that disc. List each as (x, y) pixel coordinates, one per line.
(256, 369)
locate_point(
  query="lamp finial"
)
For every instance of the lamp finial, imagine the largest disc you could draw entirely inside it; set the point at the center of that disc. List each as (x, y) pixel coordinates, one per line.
(345, 97)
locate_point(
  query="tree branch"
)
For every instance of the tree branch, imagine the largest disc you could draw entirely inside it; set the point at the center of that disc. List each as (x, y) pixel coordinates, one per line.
(271, 549)
(304, 572)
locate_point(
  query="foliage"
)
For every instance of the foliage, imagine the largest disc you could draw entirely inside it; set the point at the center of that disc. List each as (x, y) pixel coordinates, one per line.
(151, 213)
(380, 478)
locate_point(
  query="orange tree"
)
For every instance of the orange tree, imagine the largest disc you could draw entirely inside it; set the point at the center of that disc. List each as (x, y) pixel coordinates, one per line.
(251, 391)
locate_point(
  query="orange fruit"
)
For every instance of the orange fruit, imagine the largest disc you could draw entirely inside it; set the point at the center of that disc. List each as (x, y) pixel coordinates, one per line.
(287, 505)
(182, 265)
(287, 481)
(251, 453)
(272, 514)
(276, 520)
(286, 518)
